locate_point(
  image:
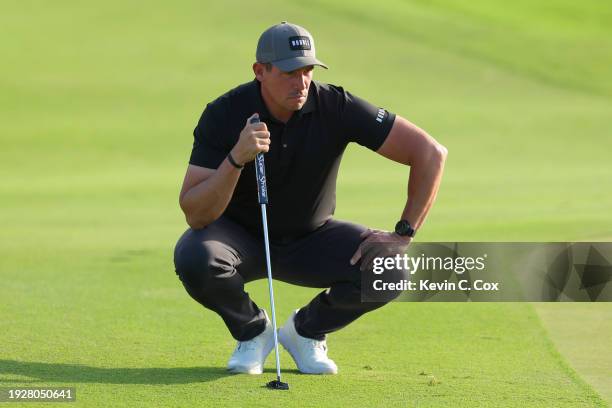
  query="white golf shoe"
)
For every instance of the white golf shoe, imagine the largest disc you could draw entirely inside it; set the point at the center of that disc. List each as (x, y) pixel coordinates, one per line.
(249, 356)
(310, 355)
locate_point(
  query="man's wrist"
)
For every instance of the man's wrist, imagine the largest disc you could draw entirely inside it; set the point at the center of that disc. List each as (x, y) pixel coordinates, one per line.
(403, 228)
(233, 162)
(404, 238)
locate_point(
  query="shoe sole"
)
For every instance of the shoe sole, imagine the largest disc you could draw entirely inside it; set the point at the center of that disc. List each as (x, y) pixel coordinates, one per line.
(251, 371)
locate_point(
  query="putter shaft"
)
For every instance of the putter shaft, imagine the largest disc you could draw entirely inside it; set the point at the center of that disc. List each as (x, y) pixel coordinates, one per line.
(262, 194)
(269, 268)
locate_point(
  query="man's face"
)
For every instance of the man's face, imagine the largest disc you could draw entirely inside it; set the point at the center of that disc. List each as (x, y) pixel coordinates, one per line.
(284, 92)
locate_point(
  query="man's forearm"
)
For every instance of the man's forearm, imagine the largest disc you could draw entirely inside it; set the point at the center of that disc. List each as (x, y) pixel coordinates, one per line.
(206, 201)
(423, 185)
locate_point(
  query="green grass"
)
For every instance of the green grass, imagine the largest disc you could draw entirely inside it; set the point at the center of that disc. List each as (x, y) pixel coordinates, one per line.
(580, 334)
(97, 108)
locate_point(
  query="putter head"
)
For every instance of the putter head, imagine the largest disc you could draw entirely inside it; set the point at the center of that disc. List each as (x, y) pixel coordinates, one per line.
(277, 385)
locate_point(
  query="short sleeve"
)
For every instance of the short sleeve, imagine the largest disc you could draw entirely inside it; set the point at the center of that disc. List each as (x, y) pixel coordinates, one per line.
(208, 147)
(365, 123)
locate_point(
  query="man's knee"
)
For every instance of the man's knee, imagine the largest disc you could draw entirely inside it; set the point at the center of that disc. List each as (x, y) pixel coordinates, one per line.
(383, 288)
(197, 260)
(361, 285)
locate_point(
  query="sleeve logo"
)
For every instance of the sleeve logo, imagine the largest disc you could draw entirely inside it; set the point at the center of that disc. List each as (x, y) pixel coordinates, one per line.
(381, 115)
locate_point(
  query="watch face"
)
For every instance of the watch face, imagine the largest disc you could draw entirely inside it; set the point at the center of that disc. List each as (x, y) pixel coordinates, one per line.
(403, 228)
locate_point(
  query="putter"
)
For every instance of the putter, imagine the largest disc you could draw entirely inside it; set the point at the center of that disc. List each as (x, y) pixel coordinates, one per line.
(262, 193)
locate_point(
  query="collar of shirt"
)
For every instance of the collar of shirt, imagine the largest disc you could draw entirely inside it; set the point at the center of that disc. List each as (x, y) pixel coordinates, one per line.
(264, 113)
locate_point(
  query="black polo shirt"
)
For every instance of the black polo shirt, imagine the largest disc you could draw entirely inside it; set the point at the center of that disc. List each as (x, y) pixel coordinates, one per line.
(305, 153)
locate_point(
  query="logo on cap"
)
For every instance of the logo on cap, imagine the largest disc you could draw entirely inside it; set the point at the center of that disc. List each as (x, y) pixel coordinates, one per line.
(299, 43)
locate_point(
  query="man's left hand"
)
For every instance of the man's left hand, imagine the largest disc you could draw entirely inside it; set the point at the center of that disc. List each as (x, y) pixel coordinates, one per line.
(392, 244)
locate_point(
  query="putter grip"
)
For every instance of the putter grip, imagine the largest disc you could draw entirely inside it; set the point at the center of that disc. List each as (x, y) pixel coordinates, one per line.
(260, 172)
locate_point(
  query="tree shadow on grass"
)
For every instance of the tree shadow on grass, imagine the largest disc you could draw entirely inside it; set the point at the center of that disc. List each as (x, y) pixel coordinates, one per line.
(78, 373)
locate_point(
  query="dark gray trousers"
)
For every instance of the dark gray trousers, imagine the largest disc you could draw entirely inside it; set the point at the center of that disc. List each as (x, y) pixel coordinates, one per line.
(215, 262)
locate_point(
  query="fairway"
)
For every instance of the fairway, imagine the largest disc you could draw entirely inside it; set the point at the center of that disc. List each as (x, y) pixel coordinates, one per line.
(98, 104)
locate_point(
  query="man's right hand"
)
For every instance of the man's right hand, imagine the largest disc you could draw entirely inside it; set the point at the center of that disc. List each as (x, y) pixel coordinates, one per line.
(254, 139)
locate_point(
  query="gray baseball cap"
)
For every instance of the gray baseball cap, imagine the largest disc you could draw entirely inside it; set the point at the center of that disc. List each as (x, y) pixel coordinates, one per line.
(288, 47)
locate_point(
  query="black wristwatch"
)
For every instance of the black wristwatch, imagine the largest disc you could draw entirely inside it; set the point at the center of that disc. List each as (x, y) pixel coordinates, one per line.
(404, 229)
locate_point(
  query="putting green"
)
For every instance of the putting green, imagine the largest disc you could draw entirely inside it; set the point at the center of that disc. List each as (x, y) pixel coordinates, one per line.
(580, 333)
(98, 105)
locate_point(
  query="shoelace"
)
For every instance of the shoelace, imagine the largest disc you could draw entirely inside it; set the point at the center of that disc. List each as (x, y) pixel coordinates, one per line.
(249, 345)
(318, 345)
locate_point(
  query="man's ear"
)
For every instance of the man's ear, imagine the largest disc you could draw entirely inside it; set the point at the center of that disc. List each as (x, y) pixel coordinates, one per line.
(258, 70)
